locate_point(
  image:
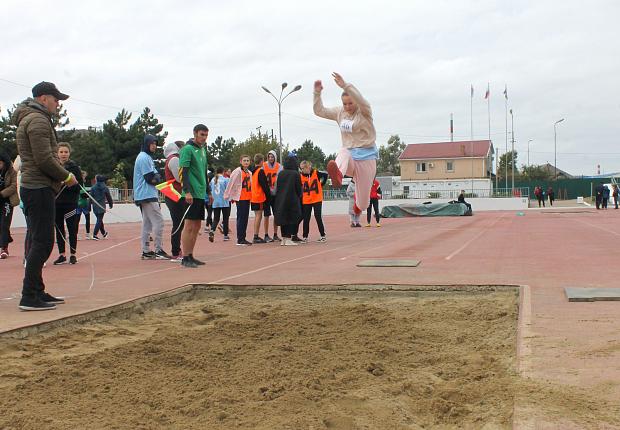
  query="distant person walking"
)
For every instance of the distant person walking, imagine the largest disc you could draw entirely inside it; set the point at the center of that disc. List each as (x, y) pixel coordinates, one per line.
(598, 191)
(375, 195)
(615, 194)
(538, 192)
(101, 195)
(221, 206)
(550, 195)
(8, 200)
(84, 206)
(42, 177)
(606, 193)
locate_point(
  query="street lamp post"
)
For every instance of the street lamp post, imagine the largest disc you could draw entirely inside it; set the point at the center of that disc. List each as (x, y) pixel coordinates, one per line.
(528, 152)
(512, 154)
(555, 149)
(279, 101)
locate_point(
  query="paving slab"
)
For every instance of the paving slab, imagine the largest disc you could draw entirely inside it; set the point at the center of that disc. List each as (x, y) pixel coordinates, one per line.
(592, 294)
(388, 263)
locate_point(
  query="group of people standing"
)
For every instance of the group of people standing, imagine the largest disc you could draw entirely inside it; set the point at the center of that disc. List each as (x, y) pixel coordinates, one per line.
(603, 193)
(542, 195)
(53, 192)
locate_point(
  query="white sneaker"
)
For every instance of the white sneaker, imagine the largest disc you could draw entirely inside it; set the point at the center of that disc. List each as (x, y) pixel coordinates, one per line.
(290, 242)
(322, 239)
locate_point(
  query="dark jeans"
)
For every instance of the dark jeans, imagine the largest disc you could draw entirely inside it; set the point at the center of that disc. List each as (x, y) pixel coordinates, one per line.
(40, 210)
(216, 219)
(66, 214)
(616, 202)
(177, 209)
(243, 212)
(374, 203)
(307, 211)
(87, 219)
(605, 202)
(209, 217)
(5, 223)
(99, 224)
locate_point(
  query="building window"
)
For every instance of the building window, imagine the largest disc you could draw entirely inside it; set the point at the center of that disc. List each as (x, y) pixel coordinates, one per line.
(420, 167)
(449, 166)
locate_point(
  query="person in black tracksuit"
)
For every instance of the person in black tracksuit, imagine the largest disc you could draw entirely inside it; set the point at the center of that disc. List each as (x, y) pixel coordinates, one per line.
(66, 208)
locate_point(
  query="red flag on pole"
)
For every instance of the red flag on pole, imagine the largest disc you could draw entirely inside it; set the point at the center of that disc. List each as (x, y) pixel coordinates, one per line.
(506, 92)
(167, 189)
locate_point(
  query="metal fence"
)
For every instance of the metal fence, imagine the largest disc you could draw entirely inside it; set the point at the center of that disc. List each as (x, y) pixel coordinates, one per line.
(126, 195)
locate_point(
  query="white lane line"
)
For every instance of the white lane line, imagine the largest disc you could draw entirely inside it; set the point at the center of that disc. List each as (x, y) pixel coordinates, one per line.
(137, 275)
(92, 281)
(594, 225)
(466, 244)
(524, 348)
(109, 248)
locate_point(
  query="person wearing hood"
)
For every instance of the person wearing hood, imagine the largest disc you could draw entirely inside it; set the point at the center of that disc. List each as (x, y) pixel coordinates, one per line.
(100, 194)
(271, 167)
(66, 208)
(358, 156)
(287, 208)
(176, 209)
(193, 174)
(42, 177)
(8, 200)
(145, 177)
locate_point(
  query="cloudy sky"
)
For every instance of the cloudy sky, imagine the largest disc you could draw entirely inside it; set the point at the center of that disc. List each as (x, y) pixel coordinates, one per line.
(205, 61)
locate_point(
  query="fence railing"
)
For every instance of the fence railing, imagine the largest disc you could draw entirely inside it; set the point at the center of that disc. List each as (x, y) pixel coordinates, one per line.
(126, 195)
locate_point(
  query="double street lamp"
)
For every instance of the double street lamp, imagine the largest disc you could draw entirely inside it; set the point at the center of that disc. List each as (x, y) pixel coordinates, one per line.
(555, 149)
(279, 101)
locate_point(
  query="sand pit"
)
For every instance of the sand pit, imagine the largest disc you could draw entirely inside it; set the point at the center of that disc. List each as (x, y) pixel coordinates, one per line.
(277, 360)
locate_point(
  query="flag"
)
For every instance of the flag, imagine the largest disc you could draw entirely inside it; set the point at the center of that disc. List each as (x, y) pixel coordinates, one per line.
(472, 91)
(167, 189)
(486, 95)
(506, 92)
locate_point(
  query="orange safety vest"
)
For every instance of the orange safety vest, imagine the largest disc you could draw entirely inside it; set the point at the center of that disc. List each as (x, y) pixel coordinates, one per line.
(311, 188)
(258, 195)
(246, 185)
(271, 173)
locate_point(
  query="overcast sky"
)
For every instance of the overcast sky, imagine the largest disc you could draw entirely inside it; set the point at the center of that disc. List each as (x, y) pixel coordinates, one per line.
(205, 61)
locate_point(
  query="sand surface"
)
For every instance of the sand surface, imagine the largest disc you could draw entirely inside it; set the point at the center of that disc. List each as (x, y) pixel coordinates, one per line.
(285, 360)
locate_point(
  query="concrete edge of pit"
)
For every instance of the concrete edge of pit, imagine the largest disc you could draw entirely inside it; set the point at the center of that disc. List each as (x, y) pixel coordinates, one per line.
(188, 291)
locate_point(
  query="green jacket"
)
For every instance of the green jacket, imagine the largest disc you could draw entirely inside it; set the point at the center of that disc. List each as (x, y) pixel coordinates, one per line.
(37, 146)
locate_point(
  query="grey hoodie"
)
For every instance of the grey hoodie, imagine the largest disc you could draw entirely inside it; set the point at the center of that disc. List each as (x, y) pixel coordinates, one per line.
(173, 164)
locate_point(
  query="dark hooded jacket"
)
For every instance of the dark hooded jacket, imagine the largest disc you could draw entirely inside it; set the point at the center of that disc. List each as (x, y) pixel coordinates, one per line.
(37, 146)
(70, 195)
(101, 194)
(8, 182)
(287, 208)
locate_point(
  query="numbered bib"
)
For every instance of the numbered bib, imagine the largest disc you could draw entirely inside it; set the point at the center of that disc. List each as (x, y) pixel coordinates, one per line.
(346, 126)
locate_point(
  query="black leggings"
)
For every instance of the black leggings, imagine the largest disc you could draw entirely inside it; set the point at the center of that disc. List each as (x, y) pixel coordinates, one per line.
(216, 219)
(307, 211)
(66, 214)
(99, 224)
(374, 203)
(87, 224)
(6, 216)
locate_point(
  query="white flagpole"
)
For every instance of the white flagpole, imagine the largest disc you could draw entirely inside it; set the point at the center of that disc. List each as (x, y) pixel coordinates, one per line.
(506, 150)
(471, 118)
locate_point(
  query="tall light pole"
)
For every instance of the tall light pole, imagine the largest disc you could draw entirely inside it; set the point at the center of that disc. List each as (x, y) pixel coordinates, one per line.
(555, 149)
(279, 101)
(512, 154)
(528, 152)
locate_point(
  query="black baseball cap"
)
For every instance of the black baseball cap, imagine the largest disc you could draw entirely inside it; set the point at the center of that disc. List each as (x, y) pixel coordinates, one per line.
(47, 88)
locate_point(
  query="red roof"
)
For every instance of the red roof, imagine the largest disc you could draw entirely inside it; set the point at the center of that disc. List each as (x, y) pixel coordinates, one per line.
(420, 151)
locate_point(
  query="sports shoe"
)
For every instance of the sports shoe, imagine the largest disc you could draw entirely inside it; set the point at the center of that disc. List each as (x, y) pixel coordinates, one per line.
(368, 225)
(268, 239)
(60, 260)
(322, 239)
(226, 238)
(186, 262)
(105, 235)
(35, 304)
(94, 238)
(352, 224)
(150, 255)
(73, 259)
(296, 239)
(290, 242)
(378, 225)
(334, 174)
(48, 298)
(89, 236)
(211, 234)
(161, 255)
(197, 262)
(276, 237)
(4, 253)
(243, 243)
(358, 225)
(176, 258)
(304, 240)
(258, 240)
(207, 229)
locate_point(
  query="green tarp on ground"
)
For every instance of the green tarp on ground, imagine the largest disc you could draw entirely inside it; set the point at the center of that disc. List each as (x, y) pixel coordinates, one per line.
(430, 209)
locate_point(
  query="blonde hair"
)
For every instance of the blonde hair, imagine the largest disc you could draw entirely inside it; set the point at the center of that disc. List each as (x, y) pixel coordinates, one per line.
(64, 145)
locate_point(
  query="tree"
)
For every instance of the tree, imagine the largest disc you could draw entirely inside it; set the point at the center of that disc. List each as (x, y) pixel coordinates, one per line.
(8, 143)
(61, 118)
(220, 152)
(309, 151)
(536, 173)
(507, 160)
(92, 153)
(254, 145)
(388, 161)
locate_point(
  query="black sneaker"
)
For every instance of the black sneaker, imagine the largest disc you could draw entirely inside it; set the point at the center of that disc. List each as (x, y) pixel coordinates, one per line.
(149, 255)
(198, 262)
(95, 238)
(35, 304)
(48, 298)
(268, 239)
(105, 235)
(243, 243)
(276, 238)
(161, 255)
(60, 260)
(72, 260)
(258, 240)
(296, 239)
(186, 262)
(211, 233)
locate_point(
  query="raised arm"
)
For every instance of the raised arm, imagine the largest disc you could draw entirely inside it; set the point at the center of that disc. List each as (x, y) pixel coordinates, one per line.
(319, 109)
(354, 93)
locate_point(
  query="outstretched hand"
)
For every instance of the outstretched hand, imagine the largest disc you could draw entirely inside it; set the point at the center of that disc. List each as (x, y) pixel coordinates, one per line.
(339, 80)
(318, 86)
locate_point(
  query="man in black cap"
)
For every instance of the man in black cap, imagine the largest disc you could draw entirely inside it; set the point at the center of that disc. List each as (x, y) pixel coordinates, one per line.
(42, 178)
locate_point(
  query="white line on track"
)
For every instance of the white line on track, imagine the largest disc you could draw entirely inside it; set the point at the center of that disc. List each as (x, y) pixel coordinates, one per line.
(466, 244)
(109, 248)
(595, 226)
